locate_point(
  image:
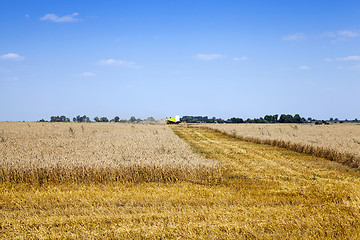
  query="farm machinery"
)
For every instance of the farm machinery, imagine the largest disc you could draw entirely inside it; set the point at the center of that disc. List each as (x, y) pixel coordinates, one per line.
(173, 120)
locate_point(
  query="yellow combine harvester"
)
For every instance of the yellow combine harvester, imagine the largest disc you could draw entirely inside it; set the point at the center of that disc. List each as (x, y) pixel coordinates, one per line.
(173, 120)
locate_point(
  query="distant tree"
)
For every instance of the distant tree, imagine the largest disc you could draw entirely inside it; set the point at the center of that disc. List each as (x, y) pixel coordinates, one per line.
(104, 119)
(318, 122)
(288, 118)
(150, 119)
(285, 118)
(59, 119)
(275, 118)
(212, 120)
(255, 120)
(219, 120)
(189, 119)
(42, 120)
(132, 119)
(259, 120)
(297, 118)
(248, 120)
(271, 118)
(116, 119)
(201, 119)
(235, 120)
(268, 118)
(85, 119)
(81, 119)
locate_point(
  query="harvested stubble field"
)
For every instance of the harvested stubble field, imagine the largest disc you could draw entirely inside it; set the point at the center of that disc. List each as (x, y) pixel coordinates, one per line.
(337, 142)
(264, 192)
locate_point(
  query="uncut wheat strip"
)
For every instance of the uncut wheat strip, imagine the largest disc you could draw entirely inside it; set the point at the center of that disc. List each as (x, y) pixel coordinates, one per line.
(126, 173)
(99, 152)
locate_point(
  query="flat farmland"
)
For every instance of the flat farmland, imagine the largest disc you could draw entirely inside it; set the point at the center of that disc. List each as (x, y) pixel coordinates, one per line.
(338, 142)
(137, 181)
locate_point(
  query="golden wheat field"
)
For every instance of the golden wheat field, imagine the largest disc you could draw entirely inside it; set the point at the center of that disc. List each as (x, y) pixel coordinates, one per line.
(142, 181)
(339, 142)
(70, 152)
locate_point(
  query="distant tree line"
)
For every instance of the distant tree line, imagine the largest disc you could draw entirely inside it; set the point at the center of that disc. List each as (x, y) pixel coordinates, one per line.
(283, 118)
(81, 119)
(57, 119)
(97, 119)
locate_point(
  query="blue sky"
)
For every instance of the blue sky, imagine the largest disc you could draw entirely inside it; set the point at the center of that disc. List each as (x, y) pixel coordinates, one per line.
(189, 57)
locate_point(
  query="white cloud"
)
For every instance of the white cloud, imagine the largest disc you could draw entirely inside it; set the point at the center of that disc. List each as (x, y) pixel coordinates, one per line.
(213, 56)
(351, 68)
(348, 34)
(240, 59)
(295, 37)
(329, 89)
(355, 68)
(120, 63)
(85, 74)
(54, 18)
(208, 57)
(328, 35)
(342, 35)
(9, 79)
(343, 59)
(349, 58)
(12, 79)
(12, 56)
(304, 67)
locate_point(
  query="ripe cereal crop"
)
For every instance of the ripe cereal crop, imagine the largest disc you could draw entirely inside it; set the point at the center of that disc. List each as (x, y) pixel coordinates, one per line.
(95, 152)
